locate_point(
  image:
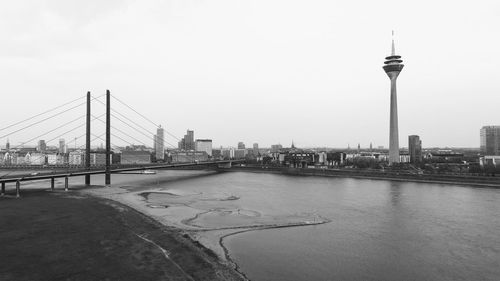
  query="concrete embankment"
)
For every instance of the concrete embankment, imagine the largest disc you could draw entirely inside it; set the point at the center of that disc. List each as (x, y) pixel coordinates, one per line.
(479, 181)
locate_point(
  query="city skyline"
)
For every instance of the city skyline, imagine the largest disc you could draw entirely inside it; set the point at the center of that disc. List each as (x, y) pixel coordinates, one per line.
(259, 69)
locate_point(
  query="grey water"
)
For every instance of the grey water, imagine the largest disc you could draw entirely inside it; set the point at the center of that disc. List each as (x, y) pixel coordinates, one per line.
(379, 230)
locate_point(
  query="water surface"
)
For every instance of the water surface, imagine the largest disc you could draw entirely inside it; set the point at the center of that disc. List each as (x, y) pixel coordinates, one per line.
(379, 230)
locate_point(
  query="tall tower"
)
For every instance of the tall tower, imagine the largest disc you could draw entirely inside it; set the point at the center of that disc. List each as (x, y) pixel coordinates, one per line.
(393, 67)
(159, 144)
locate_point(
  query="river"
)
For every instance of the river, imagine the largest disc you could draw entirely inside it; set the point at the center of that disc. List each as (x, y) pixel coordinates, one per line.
(374, 230)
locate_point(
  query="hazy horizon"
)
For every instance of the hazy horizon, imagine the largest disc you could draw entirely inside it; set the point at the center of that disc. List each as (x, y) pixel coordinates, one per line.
(262, 71)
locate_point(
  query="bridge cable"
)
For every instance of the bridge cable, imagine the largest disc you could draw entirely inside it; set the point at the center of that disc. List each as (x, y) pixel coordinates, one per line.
(149, 120)
(100, 137)
(140, 142)
(81, 125)
(148, 136)
(67, 123)
(34, 116)
(156, 125)
(146, 130)
(45, 119)
(127, 118)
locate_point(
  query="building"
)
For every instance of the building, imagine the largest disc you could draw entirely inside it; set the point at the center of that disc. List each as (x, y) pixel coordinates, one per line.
(297, 158)
(188, 156)
(322, 158)
(415, 149)
(393, 67)
(217, 153)
(42, 146)
(276, 148)
(241, 145)
(62, 146)
(204, 145)
(35, 158)
(239, 153)
(228, 153)
(493, 160)
(76, 157)
(56, 159)
(187, 142)
(98, 159)
(404, 157)
(444, 156)
(154, 143)
(255, 149)
(159, 145)
(490, 140)
(135, 157)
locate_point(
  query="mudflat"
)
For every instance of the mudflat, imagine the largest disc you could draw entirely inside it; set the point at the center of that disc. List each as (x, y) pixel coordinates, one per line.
(69, 236)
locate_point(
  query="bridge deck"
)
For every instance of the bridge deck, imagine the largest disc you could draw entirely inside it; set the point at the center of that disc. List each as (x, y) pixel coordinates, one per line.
(44, 176)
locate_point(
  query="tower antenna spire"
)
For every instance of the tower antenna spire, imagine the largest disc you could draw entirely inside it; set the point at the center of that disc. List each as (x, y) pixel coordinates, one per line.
(393, 53)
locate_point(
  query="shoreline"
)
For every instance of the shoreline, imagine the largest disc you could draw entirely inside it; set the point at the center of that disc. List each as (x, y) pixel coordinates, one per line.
(182, 216)
(485, 182)
(56, 235)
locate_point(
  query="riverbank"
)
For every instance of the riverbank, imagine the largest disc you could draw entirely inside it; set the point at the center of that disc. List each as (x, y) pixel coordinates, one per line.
(73, 236)
(208, 218)
(478, 181)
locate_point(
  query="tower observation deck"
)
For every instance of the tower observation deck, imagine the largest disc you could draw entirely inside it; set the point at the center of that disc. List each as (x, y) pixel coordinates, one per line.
(393, 66)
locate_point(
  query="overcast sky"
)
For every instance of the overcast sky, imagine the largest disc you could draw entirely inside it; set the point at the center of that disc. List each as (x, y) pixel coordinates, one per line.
(258, 71)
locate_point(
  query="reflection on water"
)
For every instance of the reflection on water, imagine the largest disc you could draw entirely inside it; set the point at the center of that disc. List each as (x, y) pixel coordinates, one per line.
(395, 192)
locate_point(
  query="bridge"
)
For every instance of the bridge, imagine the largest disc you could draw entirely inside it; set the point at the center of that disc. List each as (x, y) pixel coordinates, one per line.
(87, 173)
(86, 170)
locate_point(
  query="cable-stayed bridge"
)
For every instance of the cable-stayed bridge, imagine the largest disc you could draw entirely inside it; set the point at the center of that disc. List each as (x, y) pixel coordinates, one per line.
(126, 125)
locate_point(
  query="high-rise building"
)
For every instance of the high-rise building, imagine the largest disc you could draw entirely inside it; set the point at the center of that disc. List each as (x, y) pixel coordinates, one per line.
(187, 142)
(241, 145)
(255, 149)
(415, 149)
(204, 145)
(42, 146)
(490, 140)
(393, 66)
(7, 145)
(159, 144)
(155, 140)
(62, 146)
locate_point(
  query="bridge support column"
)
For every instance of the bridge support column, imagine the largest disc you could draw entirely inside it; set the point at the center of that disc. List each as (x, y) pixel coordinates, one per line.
(66, 183)
(18, 189)
(52, 184)
(87, 147)
(3, 189)
(107, 180)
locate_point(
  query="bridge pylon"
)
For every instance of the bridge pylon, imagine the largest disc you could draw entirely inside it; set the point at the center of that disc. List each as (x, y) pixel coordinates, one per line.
(87, 147)
(107, 180)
